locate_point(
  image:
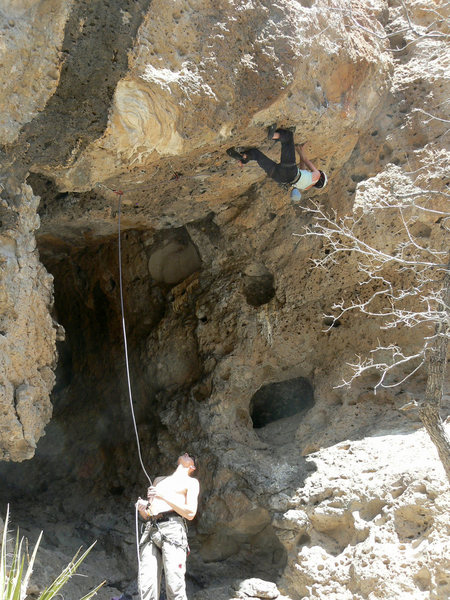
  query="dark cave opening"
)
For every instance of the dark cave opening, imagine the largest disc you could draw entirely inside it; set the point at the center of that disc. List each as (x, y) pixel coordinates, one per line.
(258, 285)
(90, 441)
(279, 400)
(88, 461)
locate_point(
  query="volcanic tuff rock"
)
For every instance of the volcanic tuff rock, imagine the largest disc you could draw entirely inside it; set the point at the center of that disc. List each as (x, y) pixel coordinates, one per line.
(326, 491)
(193, 59)
(27, 331)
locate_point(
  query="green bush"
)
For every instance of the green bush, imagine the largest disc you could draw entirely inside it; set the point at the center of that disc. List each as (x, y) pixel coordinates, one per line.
(14, 580)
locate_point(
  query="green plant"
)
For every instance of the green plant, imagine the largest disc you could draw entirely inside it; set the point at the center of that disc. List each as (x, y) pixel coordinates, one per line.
(14, 581)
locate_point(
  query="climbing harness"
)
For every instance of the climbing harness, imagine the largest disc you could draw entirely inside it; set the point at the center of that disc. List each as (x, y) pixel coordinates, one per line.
(165, 538)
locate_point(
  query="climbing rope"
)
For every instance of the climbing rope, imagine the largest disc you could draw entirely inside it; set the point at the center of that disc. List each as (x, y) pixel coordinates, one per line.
(136, 525)
(130, 395)
(120, 193)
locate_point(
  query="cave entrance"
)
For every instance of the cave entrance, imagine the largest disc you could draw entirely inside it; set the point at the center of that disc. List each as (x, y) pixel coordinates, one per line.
(90, 439)
(275, 402)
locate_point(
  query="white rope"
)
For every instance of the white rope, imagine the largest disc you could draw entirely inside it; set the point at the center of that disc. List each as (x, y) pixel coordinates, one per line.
(130, 395)
(126, 354)
(137, 552)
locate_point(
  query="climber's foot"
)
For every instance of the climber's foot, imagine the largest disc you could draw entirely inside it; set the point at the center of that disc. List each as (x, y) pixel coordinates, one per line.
(242, 158)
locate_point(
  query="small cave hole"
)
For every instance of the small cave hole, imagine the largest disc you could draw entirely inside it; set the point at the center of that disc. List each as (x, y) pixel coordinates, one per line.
(304, 539)
(281, 399)
(258, 285)
(357, 178)
(62, 196)
(330, 322)
(110, 285)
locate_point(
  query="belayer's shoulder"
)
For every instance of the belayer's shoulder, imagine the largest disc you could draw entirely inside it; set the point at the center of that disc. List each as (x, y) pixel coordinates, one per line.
(159, 479)
(195, 484)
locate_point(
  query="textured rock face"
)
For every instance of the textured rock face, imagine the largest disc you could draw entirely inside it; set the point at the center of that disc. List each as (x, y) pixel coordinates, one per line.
(32, 35)
(260, 61)
(363, 526)
(326, 492)
(27, 333)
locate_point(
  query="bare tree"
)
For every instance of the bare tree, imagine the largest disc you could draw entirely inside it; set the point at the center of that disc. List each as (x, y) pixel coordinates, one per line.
(404, 272)
(403, 282)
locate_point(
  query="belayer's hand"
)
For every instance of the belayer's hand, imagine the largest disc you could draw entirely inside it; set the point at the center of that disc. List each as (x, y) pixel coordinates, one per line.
(141, 504)
(151, 493)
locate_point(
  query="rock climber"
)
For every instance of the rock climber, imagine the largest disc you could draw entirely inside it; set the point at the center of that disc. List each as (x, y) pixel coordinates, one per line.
(164, 544)
(300, 177)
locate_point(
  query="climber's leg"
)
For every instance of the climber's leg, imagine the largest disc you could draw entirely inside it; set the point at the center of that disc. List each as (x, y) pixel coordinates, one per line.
(286, 138)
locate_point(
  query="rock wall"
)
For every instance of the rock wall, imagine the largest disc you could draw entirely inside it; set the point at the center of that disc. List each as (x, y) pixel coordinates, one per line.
(27, 331)
(231, 356)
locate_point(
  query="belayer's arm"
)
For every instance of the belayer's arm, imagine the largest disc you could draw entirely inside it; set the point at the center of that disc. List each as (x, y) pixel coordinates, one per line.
(187, 510)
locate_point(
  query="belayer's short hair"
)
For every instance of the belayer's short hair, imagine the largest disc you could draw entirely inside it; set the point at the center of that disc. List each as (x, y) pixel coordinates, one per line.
(194, 459)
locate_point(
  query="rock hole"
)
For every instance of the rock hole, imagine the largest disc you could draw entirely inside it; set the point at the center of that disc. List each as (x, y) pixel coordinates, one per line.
(372, 509)
(330, 322)
(258, 286)
(357, 178)
(303, 540)
(279, 400)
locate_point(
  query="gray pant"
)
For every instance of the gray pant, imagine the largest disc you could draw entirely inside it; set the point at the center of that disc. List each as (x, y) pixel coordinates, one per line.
(156, 552)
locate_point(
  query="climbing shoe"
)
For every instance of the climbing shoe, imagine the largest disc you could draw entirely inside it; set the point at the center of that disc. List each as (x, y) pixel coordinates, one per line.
(237, 155)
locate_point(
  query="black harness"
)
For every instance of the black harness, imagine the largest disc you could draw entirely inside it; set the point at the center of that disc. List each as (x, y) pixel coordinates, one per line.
(164, 517)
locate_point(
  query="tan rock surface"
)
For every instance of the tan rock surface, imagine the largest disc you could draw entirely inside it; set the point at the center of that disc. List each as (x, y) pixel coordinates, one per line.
(325, 492)
(237, 81)
(372, 521)
(32, 34)
(27, 333)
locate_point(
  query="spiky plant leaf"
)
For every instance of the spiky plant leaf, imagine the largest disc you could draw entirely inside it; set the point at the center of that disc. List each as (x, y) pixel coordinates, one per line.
(65, 575)
(14, 582)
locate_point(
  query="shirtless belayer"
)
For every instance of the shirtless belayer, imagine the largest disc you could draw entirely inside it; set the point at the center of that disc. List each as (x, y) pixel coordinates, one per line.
(163, 544)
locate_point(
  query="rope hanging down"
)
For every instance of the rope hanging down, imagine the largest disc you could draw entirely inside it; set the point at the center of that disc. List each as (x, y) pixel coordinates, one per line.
(120, 193)
(124, 329)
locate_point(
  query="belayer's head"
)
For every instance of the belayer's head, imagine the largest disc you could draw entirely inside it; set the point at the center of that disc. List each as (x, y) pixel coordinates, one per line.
(187, 461)
(322, 181)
